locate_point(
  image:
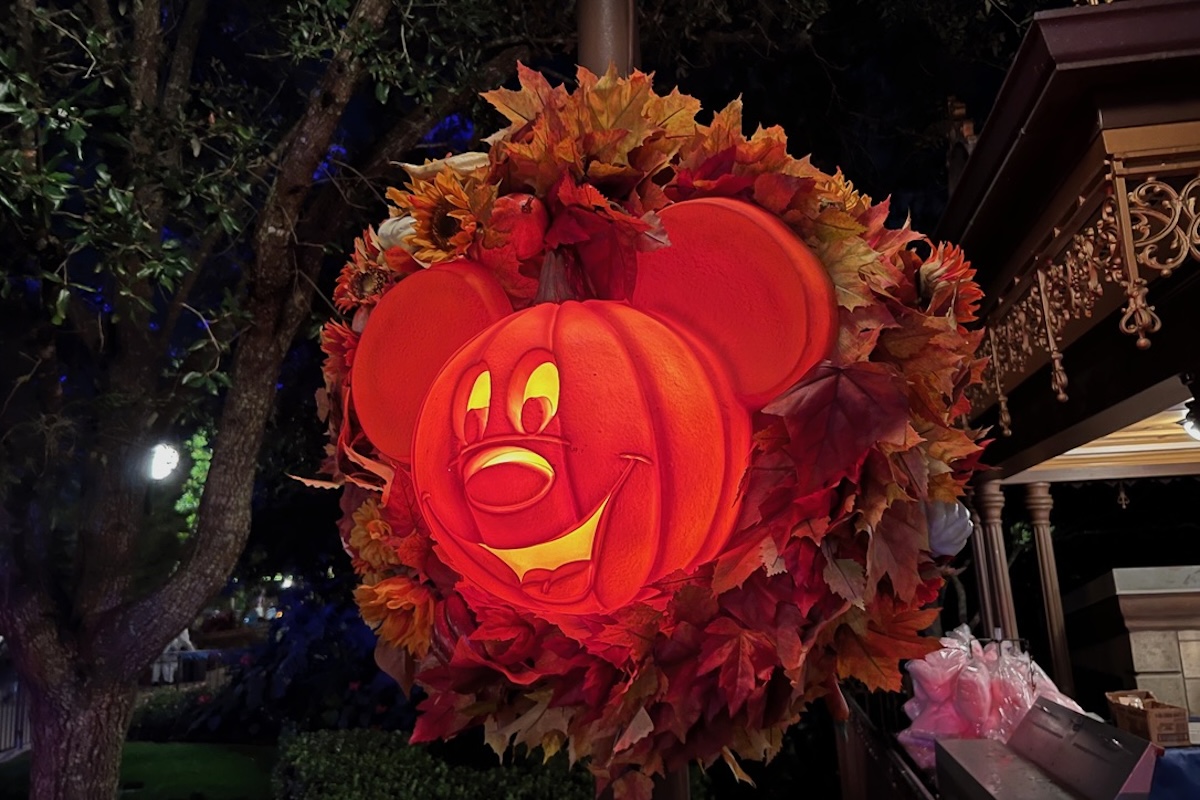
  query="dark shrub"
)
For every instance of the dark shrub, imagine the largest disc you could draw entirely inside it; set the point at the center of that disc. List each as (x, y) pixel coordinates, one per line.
(376, 765)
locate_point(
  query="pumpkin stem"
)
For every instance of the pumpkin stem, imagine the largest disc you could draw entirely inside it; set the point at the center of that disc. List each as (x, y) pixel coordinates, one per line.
(561, 279)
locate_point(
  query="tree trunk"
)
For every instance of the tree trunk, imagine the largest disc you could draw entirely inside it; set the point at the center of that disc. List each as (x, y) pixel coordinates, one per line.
(78, 733)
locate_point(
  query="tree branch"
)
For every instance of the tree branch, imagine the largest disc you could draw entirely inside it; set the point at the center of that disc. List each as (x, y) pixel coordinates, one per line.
(278, 302)
(180, 75)
(103, 16)
(175, 309)
(310, 139)
(146, 55)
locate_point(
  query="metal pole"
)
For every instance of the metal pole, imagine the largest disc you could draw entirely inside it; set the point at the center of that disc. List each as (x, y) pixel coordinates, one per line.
(1039, 502)
(607, 35)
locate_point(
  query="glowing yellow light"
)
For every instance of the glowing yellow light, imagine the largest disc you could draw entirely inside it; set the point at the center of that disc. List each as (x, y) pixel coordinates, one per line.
(481, 392)
(575, 545)
(543, 382)
(494, 456)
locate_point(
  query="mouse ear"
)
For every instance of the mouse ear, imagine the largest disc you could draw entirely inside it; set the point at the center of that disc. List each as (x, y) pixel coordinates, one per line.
(738, 278)
(410, 334)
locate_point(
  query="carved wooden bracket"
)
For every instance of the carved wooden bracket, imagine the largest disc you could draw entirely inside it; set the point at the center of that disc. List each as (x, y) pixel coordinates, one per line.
(1144, 226)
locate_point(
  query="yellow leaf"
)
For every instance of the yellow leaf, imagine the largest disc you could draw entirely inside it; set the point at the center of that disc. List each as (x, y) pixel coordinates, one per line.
(735, 767)
(534, 96)
(616, 103)
(675, 114)
(833, 224)
(846, 259)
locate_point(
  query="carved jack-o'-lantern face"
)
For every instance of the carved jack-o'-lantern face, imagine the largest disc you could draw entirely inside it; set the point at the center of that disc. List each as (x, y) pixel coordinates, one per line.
(572, 453)
(569, 455)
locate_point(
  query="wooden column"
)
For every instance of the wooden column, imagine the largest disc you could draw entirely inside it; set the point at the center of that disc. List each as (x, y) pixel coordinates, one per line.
(607, 35)
(983, 574)
(990, 499)
(1039, 502)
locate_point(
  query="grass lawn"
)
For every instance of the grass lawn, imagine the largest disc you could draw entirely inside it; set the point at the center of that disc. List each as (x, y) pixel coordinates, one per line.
(174, 771)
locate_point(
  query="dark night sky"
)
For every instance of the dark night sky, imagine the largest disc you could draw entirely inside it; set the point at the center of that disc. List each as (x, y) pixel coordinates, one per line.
(866, 97)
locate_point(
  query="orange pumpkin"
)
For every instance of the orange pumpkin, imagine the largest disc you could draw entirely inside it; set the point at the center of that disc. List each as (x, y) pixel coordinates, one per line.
(571, 454)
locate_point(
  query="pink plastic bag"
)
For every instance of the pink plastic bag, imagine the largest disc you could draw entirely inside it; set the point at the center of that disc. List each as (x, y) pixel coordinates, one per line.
(973, 693)
(934, 676)
(967, 690)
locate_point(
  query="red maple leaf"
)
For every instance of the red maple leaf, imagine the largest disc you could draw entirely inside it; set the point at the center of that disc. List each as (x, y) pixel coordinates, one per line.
(835, 415)
(741, 656)
(694, 604)
(806, 565)
(631, 631)
(778, 193)
(895, 549)
(605, 238)
(738, 563)
(712, 178)
(442, 716)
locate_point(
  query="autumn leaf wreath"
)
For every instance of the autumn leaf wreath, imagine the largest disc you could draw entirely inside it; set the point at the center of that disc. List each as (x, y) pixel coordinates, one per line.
(823, 568)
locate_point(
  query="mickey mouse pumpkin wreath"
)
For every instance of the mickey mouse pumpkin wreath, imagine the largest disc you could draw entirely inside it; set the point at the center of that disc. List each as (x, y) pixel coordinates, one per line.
(568, 456)
(638, 420)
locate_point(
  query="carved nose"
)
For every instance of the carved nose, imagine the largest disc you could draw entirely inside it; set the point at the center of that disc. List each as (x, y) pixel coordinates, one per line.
(506, 479)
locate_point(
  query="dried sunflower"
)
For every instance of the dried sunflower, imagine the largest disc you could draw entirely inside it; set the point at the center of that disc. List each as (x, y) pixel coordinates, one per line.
(444, 212)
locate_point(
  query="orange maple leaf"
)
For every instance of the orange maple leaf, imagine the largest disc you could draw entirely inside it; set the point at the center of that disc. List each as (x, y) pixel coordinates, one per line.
(615, 104)
(871, 642)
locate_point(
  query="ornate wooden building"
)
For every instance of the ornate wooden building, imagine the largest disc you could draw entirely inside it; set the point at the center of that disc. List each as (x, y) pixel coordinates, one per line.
(1080, 207)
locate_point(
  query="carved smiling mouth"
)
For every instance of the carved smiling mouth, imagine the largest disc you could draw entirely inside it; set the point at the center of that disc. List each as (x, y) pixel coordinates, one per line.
(575, 546)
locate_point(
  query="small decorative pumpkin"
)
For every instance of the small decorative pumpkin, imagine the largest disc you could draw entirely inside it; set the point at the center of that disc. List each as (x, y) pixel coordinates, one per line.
(570, 455)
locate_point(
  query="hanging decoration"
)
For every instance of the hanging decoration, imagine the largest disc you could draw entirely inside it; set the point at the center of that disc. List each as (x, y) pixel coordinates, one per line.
(639, 422)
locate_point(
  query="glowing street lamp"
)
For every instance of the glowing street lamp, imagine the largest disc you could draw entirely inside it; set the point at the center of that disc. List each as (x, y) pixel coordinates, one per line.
(163, 460)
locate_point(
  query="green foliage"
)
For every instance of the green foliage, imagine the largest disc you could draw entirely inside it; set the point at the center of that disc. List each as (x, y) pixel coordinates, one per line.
(164, 714)
(373, 765)
(188, 504)
(133, 184)
(173, 772)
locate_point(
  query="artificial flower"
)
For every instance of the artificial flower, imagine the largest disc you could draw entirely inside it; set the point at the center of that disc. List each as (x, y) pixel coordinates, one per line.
(401, 611)
(443, 213)
(372, 540)
(371, 271)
